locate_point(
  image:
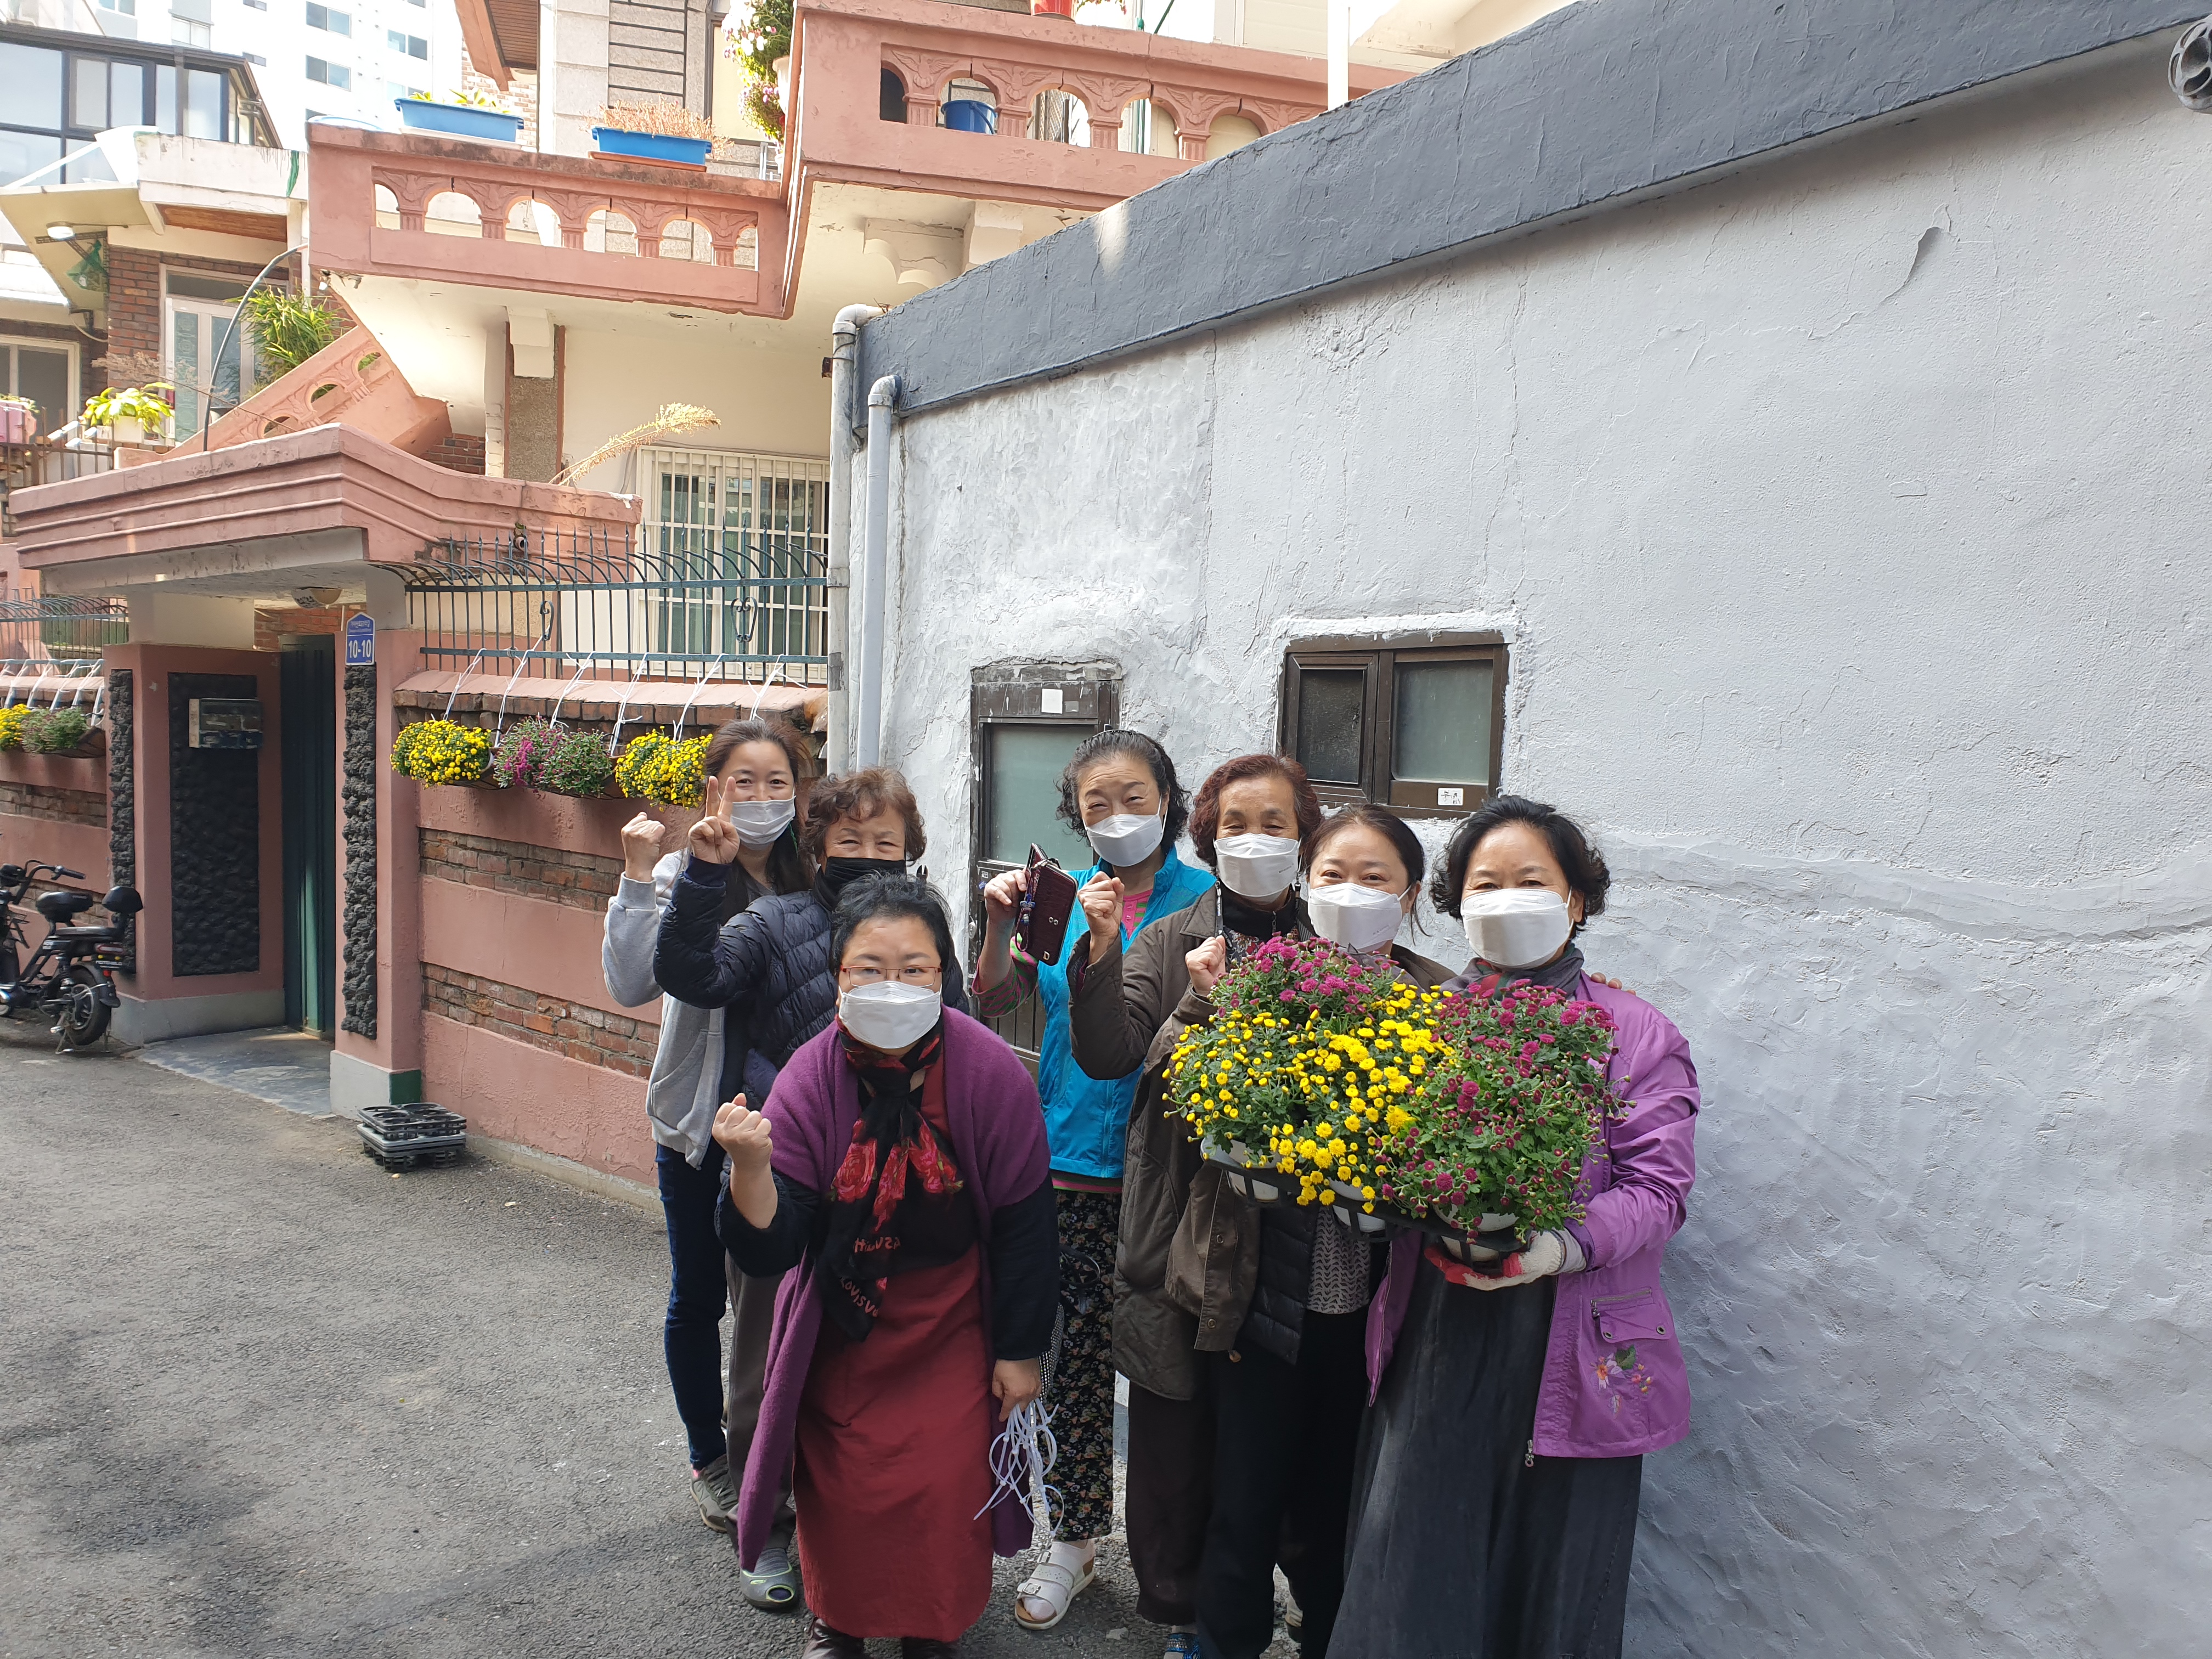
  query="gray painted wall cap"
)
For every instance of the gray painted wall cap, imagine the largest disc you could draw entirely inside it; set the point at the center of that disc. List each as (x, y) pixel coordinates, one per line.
(1604, 100)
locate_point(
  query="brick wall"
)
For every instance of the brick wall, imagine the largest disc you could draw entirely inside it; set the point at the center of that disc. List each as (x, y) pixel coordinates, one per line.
(582, 880)
(460, 453)
(40, 801)
(134, 305)
(271, 627)
(90, 352)
(614, 1041)
(518, 97)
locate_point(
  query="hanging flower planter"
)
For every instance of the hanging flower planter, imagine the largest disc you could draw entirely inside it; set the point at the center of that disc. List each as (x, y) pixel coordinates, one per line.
(655, 767)
(443, 752)
(578, 766)
(57, 732)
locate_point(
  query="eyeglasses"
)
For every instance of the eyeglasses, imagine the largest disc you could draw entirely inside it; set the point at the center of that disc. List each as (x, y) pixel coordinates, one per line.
(867, 974)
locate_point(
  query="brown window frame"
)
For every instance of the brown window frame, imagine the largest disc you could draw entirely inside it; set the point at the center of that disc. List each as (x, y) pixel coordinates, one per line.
(1012, 694)
(1378, 659)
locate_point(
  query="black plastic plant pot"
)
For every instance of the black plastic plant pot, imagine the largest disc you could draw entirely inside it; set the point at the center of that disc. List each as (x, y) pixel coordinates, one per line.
(1480, 1249)
(1249, 1177)
(1350, 1208)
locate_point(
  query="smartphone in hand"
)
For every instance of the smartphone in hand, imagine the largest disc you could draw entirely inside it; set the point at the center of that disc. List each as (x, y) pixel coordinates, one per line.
(1047, 903)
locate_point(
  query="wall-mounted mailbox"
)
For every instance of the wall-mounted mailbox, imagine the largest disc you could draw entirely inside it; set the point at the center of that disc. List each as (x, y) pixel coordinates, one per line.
(224, 723)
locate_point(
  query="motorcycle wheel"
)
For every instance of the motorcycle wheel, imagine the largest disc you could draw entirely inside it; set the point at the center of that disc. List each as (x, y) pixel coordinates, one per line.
(84, 1016)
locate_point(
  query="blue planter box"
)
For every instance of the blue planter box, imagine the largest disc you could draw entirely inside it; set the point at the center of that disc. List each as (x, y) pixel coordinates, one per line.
(653, 146)
(461, 121)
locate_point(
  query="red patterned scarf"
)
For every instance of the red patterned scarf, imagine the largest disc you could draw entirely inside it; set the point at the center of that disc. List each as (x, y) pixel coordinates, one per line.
(898, 1202)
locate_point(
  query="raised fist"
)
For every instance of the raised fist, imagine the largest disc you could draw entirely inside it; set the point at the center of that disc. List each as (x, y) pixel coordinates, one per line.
(743, 1134)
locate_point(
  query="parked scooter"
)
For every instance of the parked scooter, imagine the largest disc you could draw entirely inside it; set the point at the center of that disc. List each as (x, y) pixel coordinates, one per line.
(72, 976)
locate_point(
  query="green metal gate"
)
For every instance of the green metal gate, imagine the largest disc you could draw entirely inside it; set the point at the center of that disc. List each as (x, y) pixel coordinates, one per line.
(309, 685)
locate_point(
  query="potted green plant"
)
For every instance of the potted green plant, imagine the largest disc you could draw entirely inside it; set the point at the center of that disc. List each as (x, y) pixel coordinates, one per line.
(460, 114)
(579, 765)
(654, 132)
(288, 329)
(125, 413)
(56, 731)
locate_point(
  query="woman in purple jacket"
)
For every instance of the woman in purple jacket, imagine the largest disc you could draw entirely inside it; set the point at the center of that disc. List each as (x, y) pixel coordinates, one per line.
(1495, 1506)
(896, 1180)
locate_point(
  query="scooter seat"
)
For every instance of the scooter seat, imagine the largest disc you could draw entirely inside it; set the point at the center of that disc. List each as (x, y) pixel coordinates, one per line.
(60, 906)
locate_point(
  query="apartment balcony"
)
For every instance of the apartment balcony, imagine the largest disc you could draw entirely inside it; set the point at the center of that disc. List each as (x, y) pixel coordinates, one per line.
(418, 207)
(1133, 108)
(1080, 119)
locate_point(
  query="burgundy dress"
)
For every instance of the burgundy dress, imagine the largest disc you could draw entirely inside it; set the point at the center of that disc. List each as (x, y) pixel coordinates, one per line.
(893, 1472)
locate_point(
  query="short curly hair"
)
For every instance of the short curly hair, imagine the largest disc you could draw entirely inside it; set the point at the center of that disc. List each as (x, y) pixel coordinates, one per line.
(888, 896)
(1206, 807)
(1582, 864)
(1104, 745)
(861, 795)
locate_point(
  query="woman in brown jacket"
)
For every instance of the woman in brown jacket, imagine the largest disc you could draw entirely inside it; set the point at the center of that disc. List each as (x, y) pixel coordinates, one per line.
(1213, 1323)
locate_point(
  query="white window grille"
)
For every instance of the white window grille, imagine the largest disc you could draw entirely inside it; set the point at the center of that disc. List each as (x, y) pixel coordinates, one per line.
(741, 543)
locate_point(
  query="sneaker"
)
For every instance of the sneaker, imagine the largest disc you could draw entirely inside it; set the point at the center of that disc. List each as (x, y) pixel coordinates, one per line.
(716, 1496)
(773, 1584)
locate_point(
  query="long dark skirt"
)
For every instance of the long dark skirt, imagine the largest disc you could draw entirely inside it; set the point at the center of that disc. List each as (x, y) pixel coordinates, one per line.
(1462, 1547)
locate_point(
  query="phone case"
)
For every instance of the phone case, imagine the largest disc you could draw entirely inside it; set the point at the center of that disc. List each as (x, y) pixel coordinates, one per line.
(1047, 905)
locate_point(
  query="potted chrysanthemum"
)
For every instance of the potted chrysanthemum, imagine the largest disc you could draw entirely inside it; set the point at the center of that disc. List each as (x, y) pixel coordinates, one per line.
(1491, 1146)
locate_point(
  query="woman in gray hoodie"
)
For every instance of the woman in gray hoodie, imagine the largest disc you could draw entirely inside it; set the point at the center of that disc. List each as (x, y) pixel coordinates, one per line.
(764, 766)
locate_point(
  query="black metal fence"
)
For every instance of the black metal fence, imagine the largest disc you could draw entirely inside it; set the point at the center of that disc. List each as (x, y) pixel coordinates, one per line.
(59, 631)
(594, 605)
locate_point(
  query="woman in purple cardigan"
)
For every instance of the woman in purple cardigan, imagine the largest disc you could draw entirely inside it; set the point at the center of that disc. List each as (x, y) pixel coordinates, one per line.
(897, 1179)
(1504, 1453)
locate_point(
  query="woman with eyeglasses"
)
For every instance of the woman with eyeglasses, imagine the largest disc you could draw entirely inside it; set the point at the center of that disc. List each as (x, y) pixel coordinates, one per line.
(898, 1179)
(1119, 790)
(769, 969)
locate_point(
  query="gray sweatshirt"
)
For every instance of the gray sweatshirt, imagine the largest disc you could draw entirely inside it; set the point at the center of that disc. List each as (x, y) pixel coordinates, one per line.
(687, 1067)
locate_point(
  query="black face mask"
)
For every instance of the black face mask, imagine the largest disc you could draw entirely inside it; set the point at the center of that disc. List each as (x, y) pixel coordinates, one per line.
(838, 874)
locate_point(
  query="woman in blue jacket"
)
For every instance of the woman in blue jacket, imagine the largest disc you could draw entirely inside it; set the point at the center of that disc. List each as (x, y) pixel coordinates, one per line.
(1120, 791)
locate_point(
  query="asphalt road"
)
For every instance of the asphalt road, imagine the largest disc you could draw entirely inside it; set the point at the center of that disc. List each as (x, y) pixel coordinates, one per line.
(260, 1398)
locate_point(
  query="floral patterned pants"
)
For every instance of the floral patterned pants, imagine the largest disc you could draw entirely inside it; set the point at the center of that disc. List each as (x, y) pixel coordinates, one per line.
(1082, 1394)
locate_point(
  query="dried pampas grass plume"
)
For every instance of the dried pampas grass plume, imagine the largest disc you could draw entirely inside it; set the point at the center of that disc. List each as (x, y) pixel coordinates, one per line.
(672, 419)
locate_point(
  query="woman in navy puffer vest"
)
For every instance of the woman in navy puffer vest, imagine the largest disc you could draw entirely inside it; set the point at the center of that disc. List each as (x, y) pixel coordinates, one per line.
(771, 965)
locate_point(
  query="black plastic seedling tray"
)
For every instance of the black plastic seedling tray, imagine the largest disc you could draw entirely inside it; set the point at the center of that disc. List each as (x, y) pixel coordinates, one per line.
(408, 1135)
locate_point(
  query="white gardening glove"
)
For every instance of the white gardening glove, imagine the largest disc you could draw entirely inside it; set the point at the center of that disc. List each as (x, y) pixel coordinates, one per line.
(1547, 1253)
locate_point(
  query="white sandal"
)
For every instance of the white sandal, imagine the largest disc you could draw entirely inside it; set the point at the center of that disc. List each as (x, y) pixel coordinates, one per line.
(1055, 1583)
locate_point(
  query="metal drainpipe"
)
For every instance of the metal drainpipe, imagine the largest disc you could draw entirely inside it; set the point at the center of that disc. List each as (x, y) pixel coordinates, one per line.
(868, 732)
(844, 426)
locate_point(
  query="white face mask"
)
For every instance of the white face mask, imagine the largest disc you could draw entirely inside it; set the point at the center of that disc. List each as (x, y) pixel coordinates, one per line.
(1358, 918)
(758, 822)
(1256, 866)
(1515, 926)
(1127, 838)
(888, 1015)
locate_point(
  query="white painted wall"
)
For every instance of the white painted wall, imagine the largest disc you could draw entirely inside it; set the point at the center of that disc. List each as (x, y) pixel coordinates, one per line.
(770, 402)
(1847, 519)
